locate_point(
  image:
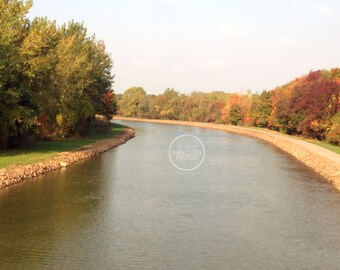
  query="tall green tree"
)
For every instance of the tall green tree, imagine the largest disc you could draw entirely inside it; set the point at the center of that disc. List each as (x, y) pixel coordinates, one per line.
(17, 111)
(84, 78)
(41, 59)
(53, 80)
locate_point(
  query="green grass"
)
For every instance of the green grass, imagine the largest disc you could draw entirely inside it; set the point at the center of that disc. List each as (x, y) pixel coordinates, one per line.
(48, 149)
(333, 148)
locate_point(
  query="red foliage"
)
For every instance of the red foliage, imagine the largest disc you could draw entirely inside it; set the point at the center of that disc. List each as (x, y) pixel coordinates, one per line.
(303, 105)
(109, 104)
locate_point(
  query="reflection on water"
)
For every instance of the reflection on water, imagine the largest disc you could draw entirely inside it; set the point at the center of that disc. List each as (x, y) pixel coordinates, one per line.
(249, 206)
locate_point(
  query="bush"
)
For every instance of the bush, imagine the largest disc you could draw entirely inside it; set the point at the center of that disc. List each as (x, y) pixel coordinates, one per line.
(333, 136)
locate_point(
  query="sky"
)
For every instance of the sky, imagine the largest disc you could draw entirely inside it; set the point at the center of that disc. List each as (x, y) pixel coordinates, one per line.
(207, 45)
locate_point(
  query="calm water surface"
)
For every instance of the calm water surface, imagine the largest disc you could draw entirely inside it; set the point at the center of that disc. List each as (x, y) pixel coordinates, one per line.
(249, 206)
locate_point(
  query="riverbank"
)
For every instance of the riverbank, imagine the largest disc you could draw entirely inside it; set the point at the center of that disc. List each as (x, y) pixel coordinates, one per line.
(323, 161)
(17, 173)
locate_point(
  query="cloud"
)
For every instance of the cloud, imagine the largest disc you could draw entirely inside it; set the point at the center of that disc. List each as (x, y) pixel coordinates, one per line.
(177, 69)
(313, 7)
(229, 29)
(295, 4)
(143, 63)
(286, 43)
(323, 9)
(290, 43)
(160, 2)
(213, 64)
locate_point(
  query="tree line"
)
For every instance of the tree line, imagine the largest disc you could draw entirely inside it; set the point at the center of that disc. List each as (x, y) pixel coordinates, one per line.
(53, 80)
(307, 106)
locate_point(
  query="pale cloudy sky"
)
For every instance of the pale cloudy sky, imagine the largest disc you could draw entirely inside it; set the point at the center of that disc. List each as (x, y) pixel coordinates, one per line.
(207, 45)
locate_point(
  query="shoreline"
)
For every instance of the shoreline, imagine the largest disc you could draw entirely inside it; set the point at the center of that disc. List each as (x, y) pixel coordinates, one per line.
(324, 162)
(18, 173)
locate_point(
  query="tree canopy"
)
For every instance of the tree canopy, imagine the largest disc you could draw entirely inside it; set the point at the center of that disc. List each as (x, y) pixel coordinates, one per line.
(53, 80)
(307, 106)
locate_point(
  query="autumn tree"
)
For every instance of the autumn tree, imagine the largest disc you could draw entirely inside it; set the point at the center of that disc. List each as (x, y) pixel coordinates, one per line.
(308, 105)
(333, 127)
(196, 107)
(217, 101)
(153, 106)
(300, 107)
(237, 109)
(170, 104)
(261, 108)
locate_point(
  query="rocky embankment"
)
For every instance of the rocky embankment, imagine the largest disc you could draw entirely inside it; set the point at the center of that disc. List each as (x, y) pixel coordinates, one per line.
(321, 160)
(15, 174)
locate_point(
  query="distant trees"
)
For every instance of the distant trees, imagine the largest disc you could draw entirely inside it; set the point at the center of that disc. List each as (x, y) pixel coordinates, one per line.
(333, 135)
(53, 80)
(261, 108)
(237, 109)
(169, 105)
(307, 106)
(203, 107)
(197, 107)
(133, 102)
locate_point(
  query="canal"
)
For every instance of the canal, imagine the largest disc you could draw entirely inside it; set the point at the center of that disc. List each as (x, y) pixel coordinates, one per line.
(247, 206)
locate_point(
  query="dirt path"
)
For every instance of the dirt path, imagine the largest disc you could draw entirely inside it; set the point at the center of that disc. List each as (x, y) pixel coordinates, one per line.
(323, 161)
(334, 157)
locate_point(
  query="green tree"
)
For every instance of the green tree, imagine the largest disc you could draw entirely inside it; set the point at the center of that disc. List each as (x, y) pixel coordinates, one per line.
(56, 79)
(261, 108)
(39, 53)
(170, 104)
(235, 114)
(99, 88)
(133, 102)
(84, 79)
(17, 111)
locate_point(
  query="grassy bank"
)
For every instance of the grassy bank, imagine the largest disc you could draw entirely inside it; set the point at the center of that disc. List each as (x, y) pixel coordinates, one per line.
(49, 149)
(330, 147)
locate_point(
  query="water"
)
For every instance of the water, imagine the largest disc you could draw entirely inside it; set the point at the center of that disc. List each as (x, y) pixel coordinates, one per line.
(248, 206)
